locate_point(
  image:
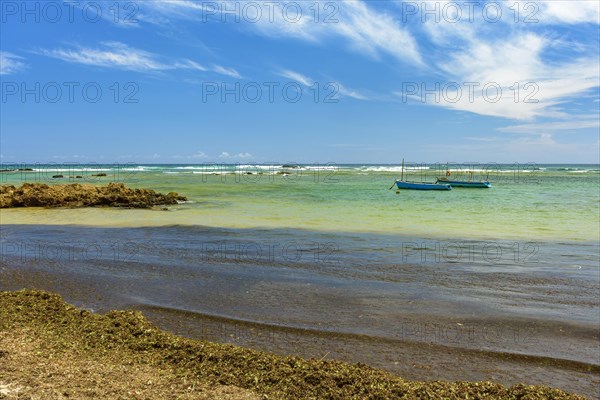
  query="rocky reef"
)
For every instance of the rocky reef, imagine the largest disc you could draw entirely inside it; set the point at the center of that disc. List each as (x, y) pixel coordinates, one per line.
(78, 195)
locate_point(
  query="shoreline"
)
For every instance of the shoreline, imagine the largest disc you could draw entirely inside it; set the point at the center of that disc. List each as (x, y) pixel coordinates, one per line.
(434, 314)
(412, 360)
(357, 298)
(183, 216)
(126, 339)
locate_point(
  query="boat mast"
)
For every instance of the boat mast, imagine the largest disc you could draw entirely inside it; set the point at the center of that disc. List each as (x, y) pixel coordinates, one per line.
(402, 173)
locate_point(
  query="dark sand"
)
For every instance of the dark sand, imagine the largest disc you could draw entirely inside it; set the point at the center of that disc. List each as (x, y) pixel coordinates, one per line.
(420, 352)
(51, 350)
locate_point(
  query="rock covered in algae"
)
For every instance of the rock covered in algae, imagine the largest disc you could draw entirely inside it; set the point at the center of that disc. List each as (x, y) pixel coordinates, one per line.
(78, 195)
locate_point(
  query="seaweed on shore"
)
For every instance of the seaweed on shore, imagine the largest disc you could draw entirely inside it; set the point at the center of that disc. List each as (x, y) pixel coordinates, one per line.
(121, 338)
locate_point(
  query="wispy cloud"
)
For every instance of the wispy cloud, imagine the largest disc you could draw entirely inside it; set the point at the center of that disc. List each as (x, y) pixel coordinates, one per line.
(11, 63)
(309, 82)
(364, 29)
(555, 126)
(297, 77)
(226, 71)
(376, 32)
(111, 55)
(121, 56)
(189, 64)
(344, 91)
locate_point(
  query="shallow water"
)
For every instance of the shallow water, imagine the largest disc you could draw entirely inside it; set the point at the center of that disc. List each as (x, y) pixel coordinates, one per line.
(534, 202)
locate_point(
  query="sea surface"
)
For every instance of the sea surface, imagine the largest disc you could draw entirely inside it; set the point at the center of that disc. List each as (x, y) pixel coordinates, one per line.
(327, 261)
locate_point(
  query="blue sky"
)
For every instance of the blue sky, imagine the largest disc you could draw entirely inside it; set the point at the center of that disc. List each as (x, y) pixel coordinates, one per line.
(339, 81)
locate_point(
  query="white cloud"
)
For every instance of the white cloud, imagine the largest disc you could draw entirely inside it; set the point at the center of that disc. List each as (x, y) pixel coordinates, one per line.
(308, 82)
(297, 77)
(515, 57)
(226, 155)
(112, 55)
(177, 7)
(189, 64)
(344, 91)
(559, 11)
(364, 29)
(375, 32)
(509, 52)
(10, 63)
(121, 56)
(226, 71)
(555, 126)
(501, 61)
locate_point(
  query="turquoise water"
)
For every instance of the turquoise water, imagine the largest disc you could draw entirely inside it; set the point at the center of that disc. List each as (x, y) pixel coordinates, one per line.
(545, 202)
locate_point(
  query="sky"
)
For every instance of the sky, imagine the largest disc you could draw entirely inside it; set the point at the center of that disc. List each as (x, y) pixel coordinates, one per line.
(350, 81)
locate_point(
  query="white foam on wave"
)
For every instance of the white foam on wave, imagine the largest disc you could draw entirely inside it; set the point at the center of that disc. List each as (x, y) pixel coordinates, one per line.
(68, 169)
(318, 168)
(134, 169)
(192, 167)
(388, 168)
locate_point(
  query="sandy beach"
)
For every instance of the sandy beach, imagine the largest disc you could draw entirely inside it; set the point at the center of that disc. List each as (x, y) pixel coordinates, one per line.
(52, 350)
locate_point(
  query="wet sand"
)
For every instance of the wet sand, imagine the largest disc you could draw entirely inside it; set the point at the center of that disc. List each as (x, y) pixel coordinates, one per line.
(422, 322)
(50, 349)
(427, 349)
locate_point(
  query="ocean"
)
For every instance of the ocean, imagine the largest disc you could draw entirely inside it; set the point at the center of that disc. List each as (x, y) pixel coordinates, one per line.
(539, 202)
(326, 261)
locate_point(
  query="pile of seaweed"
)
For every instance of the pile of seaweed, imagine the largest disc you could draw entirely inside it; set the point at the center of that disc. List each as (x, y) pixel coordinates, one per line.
(86, 195)
(122, 339)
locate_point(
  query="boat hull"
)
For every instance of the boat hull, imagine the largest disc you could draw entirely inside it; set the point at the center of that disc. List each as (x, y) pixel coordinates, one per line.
(465, 184)
(422, 186)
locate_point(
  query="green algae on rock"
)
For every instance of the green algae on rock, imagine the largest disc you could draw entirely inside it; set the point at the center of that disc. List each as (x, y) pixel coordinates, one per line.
(78, 195)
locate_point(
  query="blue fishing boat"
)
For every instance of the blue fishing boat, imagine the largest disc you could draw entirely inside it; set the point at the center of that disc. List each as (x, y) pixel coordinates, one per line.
(422, 185)
(402, 184)
(465, 184)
